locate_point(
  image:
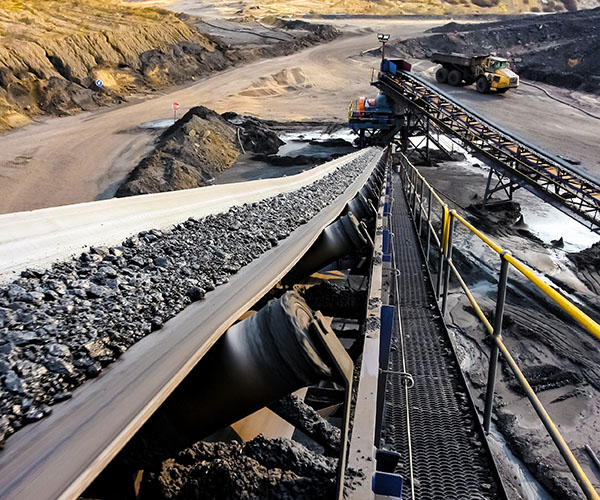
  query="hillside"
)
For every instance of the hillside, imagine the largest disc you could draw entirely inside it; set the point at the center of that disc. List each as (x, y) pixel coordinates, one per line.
(52, 53)
(261, 8)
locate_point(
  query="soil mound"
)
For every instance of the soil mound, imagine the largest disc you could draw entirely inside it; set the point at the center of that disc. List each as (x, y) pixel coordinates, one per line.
(587, 259)
(195, 148)
(559, 49)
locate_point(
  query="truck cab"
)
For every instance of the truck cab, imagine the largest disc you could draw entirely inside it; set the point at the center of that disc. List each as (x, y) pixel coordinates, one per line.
(499, 75)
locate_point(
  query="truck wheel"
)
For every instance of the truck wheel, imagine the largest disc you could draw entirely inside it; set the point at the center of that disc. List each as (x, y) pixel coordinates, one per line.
(454, 77)
(441, 75)
(483, 86)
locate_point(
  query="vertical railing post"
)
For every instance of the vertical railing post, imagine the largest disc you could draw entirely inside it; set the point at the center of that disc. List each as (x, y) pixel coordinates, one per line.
(447, 268)
(413, 193)
(438, 281)
(414, 199)
(421, 208)
(429, 196)
(497, 333)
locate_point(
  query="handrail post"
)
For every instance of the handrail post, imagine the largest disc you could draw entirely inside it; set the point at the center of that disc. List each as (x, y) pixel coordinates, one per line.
(428, 225)
(438, 281)
(448, 261)
(497, 334)
(414, 200)
(421, 209)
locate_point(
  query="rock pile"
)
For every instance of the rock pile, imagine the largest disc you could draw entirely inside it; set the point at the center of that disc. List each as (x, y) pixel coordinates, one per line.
(261, 468)
(195, 148)
(560, 49)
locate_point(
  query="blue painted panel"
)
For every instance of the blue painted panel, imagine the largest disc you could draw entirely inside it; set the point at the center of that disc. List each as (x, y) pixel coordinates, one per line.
(384, 483)
(385, 337)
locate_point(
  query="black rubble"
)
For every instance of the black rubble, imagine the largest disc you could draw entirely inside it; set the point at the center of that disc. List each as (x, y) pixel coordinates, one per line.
(62, 326)
(259, 469)
(305, 418)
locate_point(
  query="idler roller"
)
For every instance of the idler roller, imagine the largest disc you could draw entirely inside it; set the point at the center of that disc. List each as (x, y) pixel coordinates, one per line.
(362, 208)
(370, 193)
(256, 362)
(346, 236)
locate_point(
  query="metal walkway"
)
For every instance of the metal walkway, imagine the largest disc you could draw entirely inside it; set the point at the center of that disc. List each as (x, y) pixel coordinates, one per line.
(449, 452)
(516, 162)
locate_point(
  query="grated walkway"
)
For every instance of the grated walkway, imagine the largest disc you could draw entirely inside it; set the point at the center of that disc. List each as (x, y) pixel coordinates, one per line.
(450, 457)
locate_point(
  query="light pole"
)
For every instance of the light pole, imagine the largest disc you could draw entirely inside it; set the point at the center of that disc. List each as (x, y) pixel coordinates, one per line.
(383, 37)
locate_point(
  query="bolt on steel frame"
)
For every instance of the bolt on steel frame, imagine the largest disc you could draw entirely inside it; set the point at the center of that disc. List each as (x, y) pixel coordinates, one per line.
(422, 208)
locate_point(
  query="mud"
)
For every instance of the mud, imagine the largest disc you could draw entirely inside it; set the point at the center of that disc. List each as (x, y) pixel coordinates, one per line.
(587, 259)
(559, 49)
(290, 161)
(306, 419)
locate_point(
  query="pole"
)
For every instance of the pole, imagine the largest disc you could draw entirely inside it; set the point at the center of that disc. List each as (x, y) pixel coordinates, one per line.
(447, 268)
(498, 316)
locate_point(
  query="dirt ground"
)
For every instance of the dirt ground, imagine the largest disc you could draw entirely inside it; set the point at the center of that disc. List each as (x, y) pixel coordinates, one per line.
(85, 157)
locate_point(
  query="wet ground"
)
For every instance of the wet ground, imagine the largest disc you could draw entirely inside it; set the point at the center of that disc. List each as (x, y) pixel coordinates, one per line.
(312, 146)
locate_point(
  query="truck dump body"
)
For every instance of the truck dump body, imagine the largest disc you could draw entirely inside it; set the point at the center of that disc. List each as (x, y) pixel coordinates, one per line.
(457, 59)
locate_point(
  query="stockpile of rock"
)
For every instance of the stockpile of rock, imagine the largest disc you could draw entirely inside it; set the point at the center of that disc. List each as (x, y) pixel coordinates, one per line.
(195, 148)
(560, 49)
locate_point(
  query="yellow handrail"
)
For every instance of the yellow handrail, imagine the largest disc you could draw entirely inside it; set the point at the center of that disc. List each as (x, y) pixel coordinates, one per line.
(583, 319)
(577, 314)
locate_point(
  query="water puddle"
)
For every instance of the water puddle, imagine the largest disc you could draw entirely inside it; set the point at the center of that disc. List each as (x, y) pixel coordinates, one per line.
(530, 488)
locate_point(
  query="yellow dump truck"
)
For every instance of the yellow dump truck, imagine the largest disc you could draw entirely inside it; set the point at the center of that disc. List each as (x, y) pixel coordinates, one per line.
(486, 72)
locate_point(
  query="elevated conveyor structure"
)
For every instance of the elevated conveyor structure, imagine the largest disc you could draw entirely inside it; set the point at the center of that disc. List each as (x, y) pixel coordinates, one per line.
(59, 456)
(450, 457)
(515, 162)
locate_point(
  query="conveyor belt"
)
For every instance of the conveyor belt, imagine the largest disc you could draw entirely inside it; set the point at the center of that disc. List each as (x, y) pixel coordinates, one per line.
(450, 455)
(59, 456)
(569, 189)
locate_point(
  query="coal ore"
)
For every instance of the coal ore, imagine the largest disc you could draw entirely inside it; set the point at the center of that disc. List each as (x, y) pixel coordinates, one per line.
(62, 326)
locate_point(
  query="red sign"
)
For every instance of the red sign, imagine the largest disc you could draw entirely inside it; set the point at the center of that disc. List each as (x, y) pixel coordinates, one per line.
(175, 106)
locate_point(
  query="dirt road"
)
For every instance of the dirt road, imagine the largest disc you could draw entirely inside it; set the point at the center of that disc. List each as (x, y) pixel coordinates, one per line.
(527, 111)
(85, 157)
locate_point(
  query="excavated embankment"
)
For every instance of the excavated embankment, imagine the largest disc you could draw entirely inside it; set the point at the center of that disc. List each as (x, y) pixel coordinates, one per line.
(559, 49)
(52, 54)
(61, 326)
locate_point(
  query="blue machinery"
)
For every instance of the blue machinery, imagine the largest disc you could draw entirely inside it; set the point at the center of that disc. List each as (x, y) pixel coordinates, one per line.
(415, 107)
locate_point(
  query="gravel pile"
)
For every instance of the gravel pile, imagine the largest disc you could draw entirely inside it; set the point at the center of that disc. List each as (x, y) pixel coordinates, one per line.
(259, 469)
(61, 326)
